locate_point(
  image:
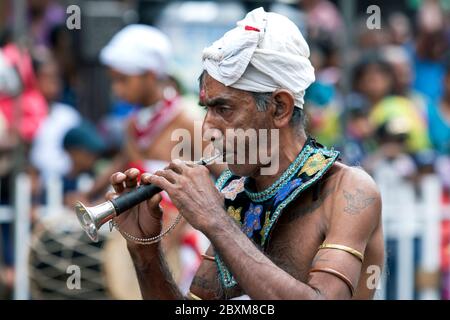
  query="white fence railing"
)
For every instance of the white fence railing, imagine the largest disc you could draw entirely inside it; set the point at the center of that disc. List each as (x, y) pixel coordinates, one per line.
(412, 218)
(20, 215)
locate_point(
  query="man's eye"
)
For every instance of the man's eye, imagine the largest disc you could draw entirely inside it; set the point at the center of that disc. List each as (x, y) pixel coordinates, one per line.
(223, 110)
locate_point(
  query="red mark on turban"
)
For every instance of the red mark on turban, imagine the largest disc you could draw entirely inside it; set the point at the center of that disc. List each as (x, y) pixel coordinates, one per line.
(250, 28)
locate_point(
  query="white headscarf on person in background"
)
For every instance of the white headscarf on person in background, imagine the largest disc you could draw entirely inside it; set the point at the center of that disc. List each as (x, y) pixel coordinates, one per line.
(137, 49)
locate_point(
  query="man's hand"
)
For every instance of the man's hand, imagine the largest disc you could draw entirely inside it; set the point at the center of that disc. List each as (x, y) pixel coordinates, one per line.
(143, 220)
(193, 192)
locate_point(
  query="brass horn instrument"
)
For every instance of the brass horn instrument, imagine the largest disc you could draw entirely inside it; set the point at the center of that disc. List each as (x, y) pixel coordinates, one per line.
(92, 218)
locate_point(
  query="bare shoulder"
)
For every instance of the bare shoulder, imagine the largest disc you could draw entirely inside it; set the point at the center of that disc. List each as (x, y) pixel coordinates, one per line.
(345, 175)
(182, 120)
(358, 174)
(359, 185)
(357, 202)
(187, 116)
(355, 180)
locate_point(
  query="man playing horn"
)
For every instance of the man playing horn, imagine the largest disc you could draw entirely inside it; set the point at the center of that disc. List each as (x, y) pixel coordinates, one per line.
(309, 230)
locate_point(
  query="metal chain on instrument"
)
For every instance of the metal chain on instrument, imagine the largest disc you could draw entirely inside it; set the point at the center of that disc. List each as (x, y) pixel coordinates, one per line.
(147, 241)
(155, 239)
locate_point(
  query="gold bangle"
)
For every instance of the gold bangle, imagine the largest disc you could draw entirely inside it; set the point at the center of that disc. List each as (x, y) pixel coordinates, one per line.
(206, 257)
(192, 296)
(338, 275)
(358, 255)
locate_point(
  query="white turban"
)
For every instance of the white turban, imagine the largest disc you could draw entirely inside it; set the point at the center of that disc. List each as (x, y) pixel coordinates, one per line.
(265, 52)
(137, 49)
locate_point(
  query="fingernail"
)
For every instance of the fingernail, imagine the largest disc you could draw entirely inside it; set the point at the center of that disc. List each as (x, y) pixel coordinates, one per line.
(147, 177)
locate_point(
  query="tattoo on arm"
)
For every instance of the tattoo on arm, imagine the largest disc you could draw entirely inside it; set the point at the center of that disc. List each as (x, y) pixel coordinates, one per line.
(357, 201)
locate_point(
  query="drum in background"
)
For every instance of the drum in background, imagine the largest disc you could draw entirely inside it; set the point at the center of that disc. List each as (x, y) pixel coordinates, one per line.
(59, 249)
(59, 246)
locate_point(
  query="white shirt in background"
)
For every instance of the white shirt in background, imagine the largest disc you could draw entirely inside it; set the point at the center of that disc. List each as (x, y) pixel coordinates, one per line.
(47, 153)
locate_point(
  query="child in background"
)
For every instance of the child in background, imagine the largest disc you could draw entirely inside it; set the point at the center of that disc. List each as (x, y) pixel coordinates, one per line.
(84, 146)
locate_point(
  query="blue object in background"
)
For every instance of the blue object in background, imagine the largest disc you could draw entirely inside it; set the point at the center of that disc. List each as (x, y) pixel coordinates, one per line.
(392, 267)
(429, 77)
(320, 94)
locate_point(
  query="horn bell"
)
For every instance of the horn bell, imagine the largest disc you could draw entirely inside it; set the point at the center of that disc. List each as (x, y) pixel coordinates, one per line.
(92, 218)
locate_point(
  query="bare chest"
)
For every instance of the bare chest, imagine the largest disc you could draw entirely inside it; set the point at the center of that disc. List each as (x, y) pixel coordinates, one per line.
(296, 238)
(295, 241)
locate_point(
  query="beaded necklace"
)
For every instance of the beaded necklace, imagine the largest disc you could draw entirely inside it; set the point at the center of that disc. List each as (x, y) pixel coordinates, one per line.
(257, 212)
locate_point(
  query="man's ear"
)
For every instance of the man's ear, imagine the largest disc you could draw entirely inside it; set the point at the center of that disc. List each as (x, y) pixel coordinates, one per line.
(283, 101)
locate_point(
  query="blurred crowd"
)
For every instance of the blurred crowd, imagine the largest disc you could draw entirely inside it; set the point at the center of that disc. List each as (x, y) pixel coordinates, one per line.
(381, 95)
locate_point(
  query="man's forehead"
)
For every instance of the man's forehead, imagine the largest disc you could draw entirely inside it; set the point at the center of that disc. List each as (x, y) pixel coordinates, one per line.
(213, 90)
(212, 87)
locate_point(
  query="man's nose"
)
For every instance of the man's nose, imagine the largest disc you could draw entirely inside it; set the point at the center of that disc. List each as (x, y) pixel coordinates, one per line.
(210, 129)
(208, 122)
